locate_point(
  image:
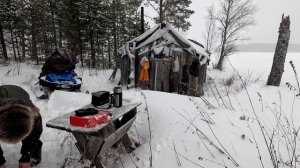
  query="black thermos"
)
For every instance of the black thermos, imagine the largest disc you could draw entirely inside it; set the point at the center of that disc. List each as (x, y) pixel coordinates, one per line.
(117, 96)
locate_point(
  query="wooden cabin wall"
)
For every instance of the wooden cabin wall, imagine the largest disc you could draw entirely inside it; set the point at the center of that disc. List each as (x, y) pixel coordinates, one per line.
(125, 70)
(174, 77)
(165, 79)
(185, 62)
(137, 69)
(202, 78)
(196, 83)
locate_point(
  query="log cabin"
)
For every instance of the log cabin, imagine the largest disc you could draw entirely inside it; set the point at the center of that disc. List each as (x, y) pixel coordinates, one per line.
(177, 64)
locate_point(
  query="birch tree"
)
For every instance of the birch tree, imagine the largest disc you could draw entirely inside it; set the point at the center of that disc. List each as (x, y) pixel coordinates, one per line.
(210, 34)
(232, 18)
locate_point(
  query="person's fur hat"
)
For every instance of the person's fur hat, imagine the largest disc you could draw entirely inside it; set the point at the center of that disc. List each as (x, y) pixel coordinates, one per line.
(16, 122)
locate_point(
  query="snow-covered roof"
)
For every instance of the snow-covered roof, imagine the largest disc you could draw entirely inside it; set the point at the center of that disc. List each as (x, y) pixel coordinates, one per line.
(161, 36)
(198, 48)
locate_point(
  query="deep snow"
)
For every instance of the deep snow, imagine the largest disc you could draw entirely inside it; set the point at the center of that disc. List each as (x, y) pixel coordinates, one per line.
(175, 141)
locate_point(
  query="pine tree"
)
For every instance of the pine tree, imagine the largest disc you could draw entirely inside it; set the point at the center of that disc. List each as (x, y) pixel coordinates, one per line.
(71, 25)
(93, 29)
(175, 12)
(8, 17)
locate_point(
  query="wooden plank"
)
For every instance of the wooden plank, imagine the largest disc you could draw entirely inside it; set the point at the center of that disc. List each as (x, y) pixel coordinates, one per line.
(181, 64)
(165, 76)
(152, 71)
(88, 146)
(98, 163)
(118, 134)
(94, 146)
(193, 87)
(125, 70)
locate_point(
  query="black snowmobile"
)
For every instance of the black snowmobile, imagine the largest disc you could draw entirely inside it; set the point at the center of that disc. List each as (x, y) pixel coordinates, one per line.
(58, 74)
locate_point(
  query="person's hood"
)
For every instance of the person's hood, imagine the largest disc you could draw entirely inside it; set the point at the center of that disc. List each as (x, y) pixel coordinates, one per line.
(16, 122)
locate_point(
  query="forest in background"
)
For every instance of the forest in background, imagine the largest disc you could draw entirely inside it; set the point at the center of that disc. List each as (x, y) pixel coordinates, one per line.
(93, 29)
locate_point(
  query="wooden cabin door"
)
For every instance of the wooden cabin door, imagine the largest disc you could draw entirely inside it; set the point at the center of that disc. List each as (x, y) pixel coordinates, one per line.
(160, 70)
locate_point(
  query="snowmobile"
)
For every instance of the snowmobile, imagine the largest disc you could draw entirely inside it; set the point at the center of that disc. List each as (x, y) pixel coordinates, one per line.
(58, 74)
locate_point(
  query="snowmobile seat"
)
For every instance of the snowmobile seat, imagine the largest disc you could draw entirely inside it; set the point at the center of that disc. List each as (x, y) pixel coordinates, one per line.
(61, 81)
(67, 77)
(58, 73)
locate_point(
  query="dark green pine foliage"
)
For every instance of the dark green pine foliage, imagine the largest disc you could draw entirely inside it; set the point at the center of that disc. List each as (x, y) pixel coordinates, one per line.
(177, 13)
(93, 29)
(10, 23)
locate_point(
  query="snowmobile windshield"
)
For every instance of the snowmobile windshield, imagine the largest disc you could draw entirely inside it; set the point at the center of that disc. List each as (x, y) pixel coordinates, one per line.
(59, 61)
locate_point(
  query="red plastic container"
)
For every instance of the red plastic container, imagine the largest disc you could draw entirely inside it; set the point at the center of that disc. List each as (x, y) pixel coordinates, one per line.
(91, 120)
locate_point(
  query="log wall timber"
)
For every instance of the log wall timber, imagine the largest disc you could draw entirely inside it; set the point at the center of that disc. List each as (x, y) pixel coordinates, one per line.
(125, 70)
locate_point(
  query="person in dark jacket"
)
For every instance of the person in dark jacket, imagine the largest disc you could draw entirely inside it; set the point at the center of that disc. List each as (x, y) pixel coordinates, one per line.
(20, 120)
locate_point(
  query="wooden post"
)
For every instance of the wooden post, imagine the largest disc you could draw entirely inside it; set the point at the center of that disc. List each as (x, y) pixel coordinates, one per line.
(142, 21)
(161, 17)
(280, 52)
(136, 69)
(137, 60)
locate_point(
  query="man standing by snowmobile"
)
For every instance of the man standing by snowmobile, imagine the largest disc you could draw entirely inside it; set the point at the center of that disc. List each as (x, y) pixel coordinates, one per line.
(20, 120)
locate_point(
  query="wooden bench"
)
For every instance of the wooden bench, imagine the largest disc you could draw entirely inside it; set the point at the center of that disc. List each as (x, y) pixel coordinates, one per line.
(93, 142)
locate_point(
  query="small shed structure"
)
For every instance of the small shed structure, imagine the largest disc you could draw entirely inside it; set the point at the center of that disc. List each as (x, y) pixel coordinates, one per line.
(176, 64)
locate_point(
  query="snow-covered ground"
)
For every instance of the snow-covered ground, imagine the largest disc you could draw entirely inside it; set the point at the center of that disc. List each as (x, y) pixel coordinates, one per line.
(220, 130)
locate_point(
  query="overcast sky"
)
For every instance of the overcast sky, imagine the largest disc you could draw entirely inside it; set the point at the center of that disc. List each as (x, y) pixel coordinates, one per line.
(268, 19)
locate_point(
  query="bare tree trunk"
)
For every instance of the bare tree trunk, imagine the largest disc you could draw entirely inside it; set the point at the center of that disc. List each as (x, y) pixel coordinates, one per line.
(18, 49)
(76, 44)
(60, 34)
(99, 50)
(23, 45)
(81, 51)
(224, 38)
(3, 43)
(103, 59)
(115, 46)
(12, 41)
(93, 56)
(52, 7)
(280, 52)
(34, 54)
(109, 52)
(46, 44)
(221, 59)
